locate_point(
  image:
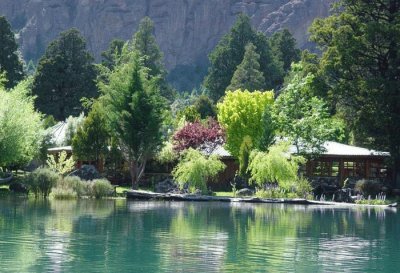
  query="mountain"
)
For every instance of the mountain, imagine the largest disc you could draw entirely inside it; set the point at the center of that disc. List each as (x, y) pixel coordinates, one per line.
(187, 30)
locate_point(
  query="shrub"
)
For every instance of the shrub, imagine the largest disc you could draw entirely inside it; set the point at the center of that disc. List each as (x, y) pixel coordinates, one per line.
(63, 193)
(42, 180)
(195, 169)
(75, 184)
(368, 187)
(100, 188)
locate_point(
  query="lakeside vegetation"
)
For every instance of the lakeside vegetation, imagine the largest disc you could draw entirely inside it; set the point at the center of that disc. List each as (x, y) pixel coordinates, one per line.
(261, 95)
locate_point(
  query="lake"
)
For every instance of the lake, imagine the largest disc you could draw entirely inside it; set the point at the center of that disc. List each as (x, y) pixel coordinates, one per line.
(129, 236)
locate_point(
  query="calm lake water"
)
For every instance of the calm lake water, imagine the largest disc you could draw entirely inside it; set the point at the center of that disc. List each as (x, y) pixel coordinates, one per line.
(123, 236)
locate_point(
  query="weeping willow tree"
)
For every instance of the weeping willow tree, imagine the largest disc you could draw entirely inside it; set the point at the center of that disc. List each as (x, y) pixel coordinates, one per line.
(276, 166)
(195, 169)
(21, 129)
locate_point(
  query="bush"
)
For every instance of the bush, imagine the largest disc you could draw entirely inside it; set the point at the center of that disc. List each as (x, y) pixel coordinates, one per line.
(63, 193)
(195, 169)
(41, 181)
(75, 184)
(100, 188)
(368, 187)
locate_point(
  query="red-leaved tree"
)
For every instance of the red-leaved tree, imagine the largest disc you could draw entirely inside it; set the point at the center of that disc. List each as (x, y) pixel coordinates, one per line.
(199, 135)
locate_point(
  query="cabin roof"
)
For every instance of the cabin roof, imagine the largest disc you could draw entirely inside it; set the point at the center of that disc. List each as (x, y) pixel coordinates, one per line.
(335, 148)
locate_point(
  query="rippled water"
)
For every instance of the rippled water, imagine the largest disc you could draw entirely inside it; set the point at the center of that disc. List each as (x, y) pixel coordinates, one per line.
(121, 236)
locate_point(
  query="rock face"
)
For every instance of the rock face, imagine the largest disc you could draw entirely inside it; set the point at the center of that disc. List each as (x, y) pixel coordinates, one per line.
(187, 30)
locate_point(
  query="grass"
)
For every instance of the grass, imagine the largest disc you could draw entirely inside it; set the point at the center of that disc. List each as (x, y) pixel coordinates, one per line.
(223, 193)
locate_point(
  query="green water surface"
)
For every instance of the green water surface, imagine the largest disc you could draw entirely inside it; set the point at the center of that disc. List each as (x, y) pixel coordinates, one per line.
(123, 236)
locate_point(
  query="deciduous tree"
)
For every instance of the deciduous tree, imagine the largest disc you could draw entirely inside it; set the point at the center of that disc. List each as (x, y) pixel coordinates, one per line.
(361, 45)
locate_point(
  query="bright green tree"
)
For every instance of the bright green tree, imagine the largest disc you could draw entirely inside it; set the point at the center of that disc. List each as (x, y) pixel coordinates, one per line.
(283, 46)
(134, 113)
(241, 114)
(276, 166)
(304, 118)
(195, 169)
(21, 129)
(10, 61)
(229, 52)
(248, 75)
(91, 139)
(361, 56)
(64, 76)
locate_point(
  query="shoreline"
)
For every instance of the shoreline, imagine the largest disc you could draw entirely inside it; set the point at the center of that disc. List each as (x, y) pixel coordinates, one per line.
(147, 195)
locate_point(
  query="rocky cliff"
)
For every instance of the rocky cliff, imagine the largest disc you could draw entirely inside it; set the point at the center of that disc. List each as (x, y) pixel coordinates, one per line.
(187, 30)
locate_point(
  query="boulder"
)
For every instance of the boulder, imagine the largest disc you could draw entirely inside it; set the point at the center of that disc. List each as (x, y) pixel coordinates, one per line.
(18, 187)
(245, 192)
(168, 185)
(86, 172)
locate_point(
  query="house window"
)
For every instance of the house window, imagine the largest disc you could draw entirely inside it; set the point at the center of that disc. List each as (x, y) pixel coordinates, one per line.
(354, 169)
(377, 170)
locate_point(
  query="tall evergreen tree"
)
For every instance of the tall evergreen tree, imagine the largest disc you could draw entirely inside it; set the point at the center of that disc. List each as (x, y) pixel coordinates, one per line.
(134, 113)
(113, 51)
(229, 53)
(361, 60)
(248, 75)
(64, 76)
(283, 46)
(145, 43)
(10, 62)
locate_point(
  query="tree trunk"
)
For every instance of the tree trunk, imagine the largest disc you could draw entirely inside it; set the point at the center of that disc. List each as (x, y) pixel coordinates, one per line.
(136, 170)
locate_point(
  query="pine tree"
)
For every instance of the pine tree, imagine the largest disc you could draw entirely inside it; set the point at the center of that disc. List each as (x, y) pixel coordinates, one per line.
(229, 53)
(248, 75)
(144, 42)
(64, 76)
(10, 62)
(283, 45)
(113, 51)
(134, 113)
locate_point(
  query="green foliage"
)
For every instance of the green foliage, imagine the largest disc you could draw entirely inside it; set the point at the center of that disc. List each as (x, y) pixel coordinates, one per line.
(283, 46)
(368, 187)
(205, 107)
(75, 184)
(21, 129)
(304, 118)
(189, 114)
(268, 129)
(247, 75)
(167, 154)
(63, 193)
(229, 52)
(195, 169)
(100, 188)
(91, 139)
(361, 53)
(111, 56)
(64, 75)
(241, 114)
(144, 42)
(276, 166)
(10, 61)
(60, 163)
(41, 181)
(244, 154)
(134, 113)
(372, 202)
(72, 125)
